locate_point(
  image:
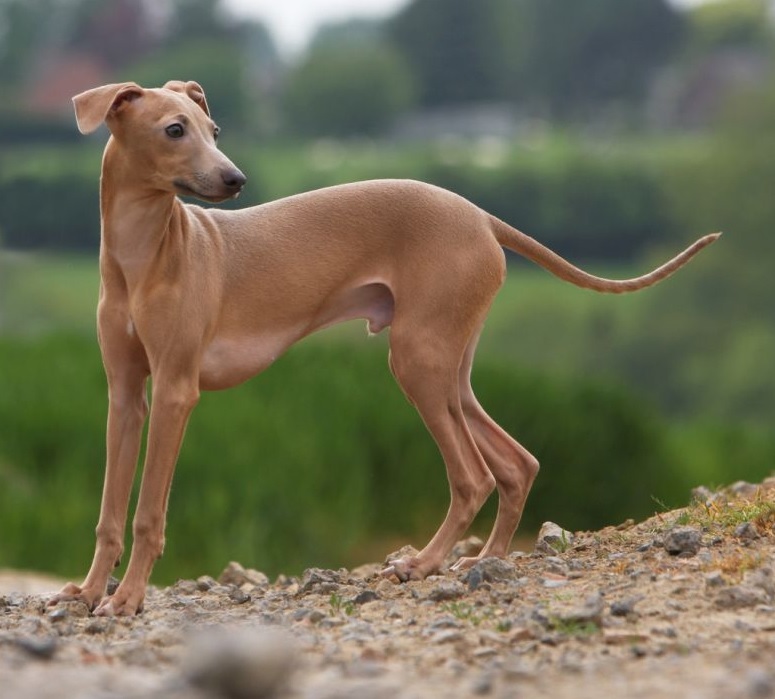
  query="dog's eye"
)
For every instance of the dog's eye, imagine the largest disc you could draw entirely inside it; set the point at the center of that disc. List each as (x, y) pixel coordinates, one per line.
(216, 132)
(175, 131)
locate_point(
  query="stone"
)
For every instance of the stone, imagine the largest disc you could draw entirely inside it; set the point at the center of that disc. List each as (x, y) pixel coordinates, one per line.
(682, 541)
(446, 590)
(762, 578)
(365, 597)
(40, 648)
(591, 611)
(491, 569)
(747, 531)
(740, 596)
(743, 489)
(320, 580)
(236, 574)
(625, 607)
(466, 548)
(241, 663)
(553, 539)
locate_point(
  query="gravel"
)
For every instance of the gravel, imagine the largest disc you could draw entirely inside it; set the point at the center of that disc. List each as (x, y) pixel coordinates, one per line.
(648, 610)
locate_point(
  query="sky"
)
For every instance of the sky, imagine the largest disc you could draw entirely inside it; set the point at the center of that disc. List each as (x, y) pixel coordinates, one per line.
(293, 22)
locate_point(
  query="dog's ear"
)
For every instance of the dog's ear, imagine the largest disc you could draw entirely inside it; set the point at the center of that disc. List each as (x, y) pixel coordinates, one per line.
(191, 89)
(93, 106)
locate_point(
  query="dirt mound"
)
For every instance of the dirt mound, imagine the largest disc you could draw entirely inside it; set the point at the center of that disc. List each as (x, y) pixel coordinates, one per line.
(680, 605)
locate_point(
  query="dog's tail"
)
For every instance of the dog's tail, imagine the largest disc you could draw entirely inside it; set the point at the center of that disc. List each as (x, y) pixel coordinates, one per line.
(530, 248)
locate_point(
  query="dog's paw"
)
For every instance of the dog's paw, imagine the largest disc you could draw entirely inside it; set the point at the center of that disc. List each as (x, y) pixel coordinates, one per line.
(464, 563)
(121, 603)
(408, 568)
(90, 596)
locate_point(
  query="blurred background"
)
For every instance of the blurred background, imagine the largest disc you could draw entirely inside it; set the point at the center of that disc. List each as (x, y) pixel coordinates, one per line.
(615, 131)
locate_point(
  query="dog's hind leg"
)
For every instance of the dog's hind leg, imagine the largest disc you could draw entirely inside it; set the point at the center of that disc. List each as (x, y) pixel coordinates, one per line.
(513, 467)
(426, 366)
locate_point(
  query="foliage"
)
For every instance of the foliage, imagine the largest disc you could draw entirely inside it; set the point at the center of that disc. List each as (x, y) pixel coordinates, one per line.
(306, 464)
(727, 24)
(215, 64)
(448, 44)
(613, 46)
(564, 58)
(347, 90)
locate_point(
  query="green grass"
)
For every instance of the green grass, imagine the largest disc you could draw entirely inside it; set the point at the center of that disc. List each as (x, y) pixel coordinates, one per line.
(47, 293)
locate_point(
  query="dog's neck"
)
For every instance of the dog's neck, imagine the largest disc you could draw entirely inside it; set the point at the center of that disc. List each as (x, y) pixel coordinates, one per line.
(137, 220)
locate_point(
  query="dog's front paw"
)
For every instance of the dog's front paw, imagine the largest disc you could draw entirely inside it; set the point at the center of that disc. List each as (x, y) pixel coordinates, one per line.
(121, 603)
(90, 596)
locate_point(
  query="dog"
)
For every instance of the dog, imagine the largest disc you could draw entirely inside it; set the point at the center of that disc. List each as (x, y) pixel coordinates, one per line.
(204, 299)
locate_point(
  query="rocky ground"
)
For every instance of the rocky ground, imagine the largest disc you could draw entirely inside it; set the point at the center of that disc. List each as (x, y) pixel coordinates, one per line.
(681, 605)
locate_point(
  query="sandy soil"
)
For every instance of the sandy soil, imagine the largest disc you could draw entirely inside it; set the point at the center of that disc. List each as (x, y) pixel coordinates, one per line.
(681, 605)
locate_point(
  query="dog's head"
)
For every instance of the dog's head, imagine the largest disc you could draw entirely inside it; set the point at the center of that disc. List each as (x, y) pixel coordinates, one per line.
(165, 134)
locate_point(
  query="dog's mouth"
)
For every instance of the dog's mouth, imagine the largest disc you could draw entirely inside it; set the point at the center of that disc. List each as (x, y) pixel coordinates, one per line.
(187, 191)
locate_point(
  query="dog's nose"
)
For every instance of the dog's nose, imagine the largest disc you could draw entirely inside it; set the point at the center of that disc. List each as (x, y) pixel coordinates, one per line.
(233, 179)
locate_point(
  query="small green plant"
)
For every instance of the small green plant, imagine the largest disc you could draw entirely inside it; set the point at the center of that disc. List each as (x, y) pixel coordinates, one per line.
(574, 627)
(503, 625)
(464, 612)
(339, 605)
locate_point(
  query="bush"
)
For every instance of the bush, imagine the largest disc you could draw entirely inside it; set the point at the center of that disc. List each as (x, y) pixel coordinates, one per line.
(307, 464)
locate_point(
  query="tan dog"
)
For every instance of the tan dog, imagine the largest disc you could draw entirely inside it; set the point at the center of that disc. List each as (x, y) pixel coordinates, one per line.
(205, 299)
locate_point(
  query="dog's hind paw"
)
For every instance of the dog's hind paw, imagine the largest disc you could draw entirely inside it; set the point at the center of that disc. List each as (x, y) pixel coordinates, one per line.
(120, 604)
(408, 568)
(73, 593)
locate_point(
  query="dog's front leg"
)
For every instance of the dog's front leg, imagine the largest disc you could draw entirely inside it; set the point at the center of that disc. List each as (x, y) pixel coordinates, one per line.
(171, 406)
(127, 410)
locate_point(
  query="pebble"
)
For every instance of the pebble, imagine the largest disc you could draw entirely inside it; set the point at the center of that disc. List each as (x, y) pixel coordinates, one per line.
(625, 607)
(446, 591)
(241, 663)
(236, 574)
(365, 597)
(747, 531)
(682, 541)
(715, 579)
(553, 539)
(743, 489)
(590, 611)
(41, 648)
(740, 596)
(490, 569)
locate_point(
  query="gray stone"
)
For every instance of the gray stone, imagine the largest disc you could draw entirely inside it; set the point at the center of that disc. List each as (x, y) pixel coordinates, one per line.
(553, 539)
(715, 579)
(743, 489)
(41, 648)
(236, 574)
(241, 663)
(590, 611)
(446, 590)
(625, 607)
(491, 569)
(747, 531)
(740, 596)
(682, 541)
(365, 597)
(762, 578)
(320, 580)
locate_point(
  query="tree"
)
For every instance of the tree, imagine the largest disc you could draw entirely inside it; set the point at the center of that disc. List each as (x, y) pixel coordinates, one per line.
(347, 90)
(450, 47)
(561, 56)
(580, 55)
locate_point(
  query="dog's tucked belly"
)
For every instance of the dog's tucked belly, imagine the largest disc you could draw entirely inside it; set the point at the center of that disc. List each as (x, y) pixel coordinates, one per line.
(228, 362)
